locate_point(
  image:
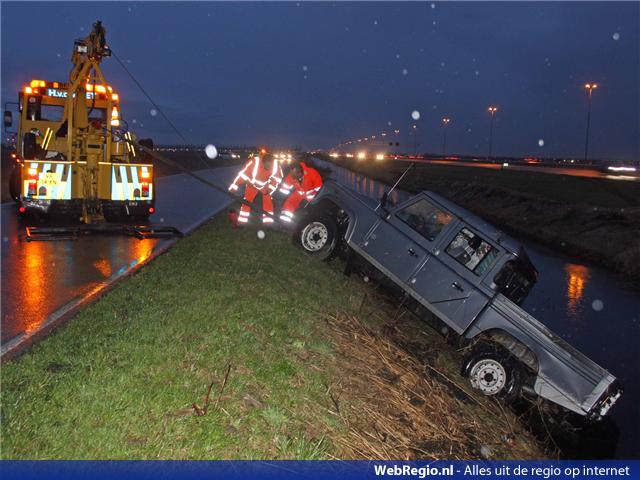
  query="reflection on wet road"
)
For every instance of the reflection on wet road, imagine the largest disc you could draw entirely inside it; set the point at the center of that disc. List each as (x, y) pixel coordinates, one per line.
(39, 278)
(588, 306)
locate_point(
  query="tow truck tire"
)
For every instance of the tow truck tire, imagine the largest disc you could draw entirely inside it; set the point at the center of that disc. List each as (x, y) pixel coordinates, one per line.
(494, 372)
(317, 235)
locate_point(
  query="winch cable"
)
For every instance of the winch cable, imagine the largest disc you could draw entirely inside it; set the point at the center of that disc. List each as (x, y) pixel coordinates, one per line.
(174, 164)
(157, 107)
(177, 165)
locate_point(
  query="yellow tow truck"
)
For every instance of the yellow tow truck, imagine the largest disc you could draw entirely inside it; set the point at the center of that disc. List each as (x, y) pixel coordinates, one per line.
(75, 156)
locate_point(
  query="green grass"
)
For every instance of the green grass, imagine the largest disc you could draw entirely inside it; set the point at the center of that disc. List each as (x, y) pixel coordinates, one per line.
(117, 380)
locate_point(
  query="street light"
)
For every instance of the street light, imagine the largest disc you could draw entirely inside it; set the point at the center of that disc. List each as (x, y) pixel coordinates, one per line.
(590, 87)
(445, 122)
(415, 139)
(492, 111)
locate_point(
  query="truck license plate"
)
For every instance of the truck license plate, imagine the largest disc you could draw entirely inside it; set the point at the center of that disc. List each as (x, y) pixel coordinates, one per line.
(49, 179)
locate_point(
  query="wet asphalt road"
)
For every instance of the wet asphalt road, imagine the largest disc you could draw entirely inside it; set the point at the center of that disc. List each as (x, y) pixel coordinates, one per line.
(41, 281)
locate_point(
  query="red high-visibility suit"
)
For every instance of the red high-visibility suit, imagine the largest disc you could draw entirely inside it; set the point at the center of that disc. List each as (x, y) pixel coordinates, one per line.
(258, 180)
(305, 190)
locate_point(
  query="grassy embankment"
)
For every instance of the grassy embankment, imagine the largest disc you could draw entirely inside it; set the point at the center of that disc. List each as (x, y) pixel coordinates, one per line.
(317, 369)
(592, 218)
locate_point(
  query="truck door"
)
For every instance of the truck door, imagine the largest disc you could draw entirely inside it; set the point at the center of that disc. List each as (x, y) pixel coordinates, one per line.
(450, 280)
(400, 242)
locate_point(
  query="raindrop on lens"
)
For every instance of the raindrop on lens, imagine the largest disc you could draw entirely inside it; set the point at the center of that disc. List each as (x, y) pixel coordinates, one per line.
(616, 36)
(404, 71)
(211, 151)
(415, 115)
(153, 112)
(597, 305)
(541, 143)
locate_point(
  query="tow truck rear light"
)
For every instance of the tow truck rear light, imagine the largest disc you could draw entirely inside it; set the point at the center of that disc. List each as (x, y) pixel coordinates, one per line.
(28, 90)
(115, 97)
(22, 209)
(151, 209)
(37, 83)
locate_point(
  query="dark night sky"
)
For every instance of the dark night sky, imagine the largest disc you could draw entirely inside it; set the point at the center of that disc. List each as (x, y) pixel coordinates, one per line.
(314, 74)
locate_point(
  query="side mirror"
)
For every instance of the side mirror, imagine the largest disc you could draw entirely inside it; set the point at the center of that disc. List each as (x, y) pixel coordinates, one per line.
(8, 118)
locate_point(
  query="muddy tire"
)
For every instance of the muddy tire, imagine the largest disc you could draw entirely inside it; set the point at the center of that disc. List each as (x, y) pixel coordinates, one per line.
(317, 235)
(494, 372)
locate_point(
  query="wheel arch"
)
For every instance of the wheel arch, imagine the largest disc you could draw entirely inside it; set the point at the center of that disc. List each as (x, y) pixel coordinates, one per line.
(511, 344)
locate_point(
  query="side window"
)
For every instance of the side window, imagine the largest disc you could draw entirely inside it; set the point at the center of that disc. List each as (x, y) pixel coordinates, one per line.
(473, 252)
(425, 219)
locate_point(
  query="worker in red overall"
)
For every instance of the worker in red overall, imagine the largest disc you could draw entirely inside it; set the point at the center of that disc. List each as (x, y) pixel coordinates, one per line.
(261, 174)
(302, 184)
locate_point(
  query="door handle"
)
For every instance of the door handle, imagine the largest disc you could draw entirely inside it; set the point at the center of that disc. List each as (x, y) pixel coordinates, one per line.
(457, 286)
(412, 252)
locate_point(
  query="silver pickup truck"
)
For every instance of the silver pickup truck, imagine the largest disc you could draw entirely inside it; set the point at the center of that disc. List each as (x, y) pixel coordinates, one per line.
(472, 278)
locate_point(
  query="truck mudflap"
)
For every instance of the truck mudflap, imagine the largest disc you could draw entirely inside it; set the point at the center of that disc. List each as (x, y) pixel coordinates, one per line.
(565, 376)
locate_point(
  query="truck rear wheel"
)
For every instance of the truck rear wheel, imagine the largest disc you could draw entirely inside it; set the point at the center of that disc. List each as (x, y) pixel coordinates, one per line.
(317, 235)
(494, 372)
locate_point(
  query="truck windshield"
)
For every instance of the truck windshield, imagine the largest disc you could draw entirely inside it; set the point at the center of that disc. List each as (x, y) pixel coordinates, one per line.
(515, 281)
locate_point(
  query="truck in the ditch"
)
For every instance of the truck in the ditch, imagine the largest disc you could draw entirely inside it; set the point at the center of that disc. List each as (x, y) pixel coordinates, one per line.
(470, 279)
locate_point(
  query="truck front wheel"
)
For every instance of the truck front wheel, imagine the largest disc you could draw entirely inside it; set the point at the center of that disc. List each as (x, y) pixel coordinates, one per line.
(317, 235)
(494, 373)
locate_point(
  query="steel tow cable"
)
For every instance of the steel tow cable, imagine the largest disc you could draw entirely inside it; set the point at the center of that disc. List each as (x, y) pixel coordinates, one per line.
(175, 164)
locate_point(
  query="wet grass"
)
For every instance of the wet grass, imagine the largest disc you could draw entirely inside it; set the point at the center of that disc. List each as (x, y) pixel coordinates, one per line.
(120, 380)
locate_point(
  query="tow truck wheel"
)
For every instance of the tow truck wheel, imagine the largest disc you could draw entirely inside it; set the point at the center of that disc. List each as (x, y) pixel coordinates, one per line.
(494, 373)
(317, 236)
